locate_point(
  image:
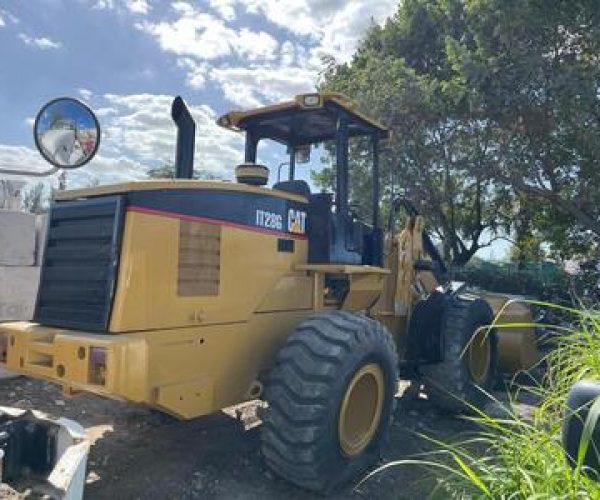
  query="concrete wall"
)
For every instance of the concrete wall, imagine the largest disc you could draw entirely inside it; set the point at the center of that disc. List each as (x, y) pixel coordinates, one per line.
(21, 241)
(17, 238)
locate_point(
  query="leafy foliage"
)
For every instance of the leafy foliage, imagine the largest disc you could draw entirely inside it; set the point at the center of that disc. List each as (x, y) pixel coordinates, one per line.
(168, 172)
(495, 114)
(517, 456)
(544, 281)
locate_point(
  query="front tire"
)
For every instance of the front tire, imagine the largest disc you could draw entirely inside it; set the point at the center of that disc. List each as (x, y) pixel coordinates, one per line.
(470, 357)
(331, 396)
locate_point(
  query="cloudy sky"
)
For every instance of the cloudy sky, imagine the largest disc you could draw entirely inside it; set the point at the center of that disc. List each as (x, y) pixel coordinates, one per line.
(128, 58)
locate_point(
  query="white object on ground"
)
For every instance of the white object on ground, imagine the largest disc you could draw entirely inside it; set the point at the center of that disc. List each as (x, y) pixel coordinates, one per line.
(68, 475)
(5, 374)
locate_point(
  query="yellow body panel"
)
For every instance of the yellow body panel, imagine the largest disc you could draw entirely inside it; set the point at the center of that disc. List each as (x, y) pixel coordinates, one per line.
(187, 372)
(517, 345)
(251, 268)
(364, 290)
(400, 291)
(290, 292)
(151, 185)
(341, 269)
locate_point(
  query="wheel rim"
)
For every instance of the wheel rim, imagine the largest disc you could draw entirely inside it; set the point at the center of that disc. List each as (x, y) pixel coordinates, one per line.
(480, 355)
(361, 409)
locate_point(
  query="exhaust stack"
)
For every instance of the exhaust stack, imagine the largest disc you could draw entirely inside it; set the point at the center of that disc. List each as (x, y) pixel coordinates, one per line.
(186, 138)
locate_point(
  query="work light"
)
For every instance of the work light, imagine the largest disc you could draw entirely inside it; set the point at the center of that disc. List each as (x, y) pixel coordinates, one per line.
(97, 373)
(311, 100)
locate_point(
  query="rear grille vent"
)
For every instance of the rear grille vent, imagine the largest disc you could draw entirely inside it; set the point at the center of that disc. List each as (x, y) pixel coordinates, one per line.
(199, 259)
(80, 264)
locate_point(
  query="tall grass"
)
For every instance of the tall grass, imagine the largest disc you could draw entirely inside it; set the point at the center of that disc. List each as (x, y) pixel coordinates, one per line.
(514, 457)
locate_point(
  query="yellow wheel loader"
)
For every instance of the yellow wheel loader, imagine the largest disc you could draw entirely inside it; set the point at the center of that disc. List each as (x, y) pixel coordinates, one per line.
(190, 296)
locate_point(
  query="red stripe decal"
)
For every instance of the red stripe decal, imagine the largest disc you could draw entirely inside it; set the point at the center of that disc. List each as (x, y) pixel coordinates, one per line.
(216, 222)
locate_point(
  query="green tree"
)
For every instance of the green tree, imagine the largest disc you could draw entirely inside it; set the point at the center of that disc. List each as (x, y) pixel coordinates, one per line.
(535, 69)
(435, 144)
(493, 106)
(167, 171)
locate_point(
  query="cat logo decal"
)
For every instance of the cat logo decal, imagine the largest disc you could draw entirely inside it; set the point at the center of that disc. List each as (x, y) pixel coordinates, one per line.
(296, 221)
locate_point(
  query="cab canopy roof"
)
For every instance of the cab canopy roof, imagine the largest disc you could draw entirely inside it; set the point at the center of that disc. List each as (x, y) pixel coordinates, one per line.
(308, 119)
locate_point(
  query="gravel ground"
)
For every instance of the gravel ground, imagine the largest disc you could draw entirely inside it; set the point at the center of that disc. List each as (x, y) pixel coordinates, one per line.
(139, 453)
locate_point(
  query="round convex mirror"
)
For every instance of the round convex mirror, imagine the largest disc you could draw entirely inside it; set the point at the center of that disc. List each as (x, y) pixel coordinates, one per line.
(66, 133)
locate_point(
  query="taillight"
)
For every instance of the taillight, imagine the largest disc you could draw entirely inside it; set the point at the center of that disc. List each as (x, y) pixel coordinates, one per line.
(97, 365)
(3, 347)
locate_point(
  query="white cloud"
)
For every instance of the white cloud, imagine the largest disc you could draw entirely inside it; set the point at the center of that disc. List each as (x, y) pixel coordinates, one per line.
(287, 53)
(105, 111)
(251, 66)
(110, 169)
(340, 33)
(85, 94)
(104, 169)
(334, 25)
(196, 72)
(225, 8)
(201, 35)
(7, 16)
(255, 46)
(21, 157)
(104, 4)
(141, 7)
(206, 37)
(256, 86)
(142, 128)
(183, 8)
(42, 43)
(138, 133)
(138, 6)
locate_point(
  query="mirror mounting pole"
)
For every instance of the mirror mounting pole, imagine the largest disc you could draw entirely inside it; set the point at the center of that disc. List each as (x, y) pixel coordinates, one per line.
(186, 137)
(29, 173)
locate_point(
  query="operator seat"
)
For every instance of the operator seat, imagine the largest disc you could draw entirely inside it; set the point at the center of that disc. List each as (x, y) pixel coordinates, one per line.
(295, 187)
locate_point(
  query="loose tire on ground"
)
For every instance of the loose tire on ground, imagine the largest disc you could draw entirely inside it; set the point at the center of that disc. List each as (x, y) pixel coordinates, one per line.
(331, 396)
(452, 385)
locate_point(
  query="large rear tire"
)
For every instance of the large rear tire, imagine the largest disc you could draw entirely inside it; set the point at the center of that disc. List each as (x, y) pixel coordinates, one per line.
(331, 396)
(470, 357)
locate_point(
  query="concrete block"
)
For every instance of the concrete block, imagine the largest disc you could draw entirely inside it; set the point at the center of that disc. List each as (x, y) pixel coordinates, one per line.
(17, 238)
(18, 292)
(41, 226)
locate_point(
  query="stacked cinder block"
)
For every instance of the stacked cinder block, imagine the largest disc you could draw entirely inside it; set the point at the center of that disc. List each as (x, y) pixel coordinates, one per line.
(20, 254)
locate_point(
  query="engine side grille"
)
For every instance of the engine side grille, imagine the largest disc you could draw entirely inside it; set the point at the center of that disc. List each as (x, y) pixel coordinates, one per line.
(80, 264)
(199, 259)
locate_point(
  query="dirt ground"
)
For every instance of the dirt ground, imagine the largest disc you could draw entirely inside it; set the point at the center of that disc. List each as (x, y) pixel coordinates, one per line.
(139, 453)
